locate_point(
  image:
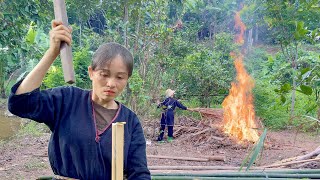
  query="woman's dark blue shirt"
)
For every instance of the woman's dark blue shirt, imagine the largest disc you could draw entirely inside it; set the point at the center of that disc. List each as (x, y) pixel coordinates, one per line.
(76, 150)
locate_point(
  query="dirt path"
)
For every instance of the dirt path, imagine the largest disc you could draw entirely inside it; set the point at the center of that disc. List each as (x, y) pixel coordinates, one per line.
(26, 157)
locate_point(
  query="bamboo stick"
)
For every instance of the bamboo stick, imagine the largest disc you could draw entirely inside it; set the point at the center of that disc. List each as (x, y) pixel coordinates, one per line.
(179, 158)
(268, 171)
(117, 150)
(204, 159)
(60, 13)
(241, 174)
(219, 178)
(211, 168)
(213, 178)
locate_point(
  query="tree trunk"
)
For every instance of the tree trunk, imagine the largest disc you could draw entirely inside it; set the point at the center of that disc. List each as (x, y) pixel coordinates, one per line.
(249, 40)
(256, 37)
(125, 21)
(136, 45)
(293, 100)
(213, 33)
(80, 34)
(2, 91)
(294, 83)
(2, 79)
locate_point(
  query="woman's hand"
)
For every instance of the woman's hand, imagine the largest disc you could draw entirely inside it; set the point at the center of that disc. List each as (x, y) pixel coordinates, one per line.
(59, 33)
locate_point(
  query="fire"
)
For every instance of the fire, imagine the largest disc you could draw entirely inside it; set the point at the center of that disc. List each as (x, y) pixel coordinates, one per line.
(239, 114)
(239, 25)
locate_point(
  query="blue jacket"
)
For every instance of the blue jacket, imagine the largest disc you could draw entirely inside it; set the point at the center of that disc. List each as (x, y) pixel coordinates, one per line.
(168, 106)
(76, 149)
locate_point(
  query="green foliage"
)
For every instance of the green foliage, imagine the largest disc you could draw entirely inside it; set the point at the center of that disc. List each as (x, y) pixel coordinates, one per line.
(31, 34)
(289, 19)
(274, 111)
(136, 83)
(81, 62)
(54, 77)
(268, 106)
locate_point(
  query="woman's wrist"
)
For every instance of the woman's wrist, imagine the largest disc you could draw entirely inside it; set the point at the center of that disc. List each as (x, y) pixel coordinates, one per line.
(52, 53)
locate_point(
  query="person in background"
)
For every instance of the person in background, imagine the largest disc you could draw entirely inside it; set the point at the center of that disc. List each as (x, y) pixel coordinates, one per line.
(167, 116)
(80, 120)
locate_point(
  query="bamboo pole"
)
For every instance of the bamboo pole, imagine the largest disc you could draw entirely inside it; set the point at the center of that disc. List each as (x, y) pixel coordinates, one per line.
(212, 172)
(193, 167)
(213, 178)
(204, 159)
(60, 13)
(179, 158)
(202, 168)
(241, 174)
(117, 150)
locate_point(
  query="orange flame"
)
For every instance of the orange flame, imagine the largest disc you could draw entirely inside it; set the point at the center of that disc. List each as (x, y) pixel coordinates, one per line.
(239, 25)
(239, 114)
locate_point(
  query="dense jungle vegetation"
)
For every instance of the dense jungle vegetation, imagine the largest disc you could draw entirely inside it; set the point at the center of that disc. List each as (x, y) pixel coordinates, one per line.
(183, 45)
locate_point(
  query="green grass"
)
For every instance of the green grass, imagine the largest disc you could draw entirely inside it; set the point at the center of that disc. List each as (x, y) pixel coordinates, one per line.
(35, 164)
(33, 128)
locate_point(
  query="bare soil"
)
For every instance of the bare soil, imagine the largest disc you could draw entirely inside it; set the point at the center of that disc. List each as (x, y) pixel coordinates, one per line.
(25, 157)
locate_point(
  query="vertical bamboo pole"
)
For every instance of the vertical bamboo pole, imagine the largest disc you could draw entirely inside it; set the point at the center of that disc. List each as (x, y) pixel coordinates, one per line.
(117, 150)
(60, 13)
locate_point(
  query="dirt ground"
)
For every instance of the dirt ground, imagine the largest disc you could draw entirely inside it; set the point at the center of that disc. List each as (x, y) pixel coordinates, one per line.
(26, 157)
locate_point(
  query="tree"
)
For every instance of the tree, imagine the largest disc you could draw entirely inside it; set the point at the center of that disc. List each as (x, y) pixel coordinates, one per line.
(15, 17)
(287, 21)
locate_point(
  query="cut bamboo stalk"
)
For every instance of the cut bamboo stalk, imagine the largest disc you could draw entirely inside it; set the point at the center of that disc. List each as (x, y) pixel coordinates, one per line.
(207, 158)
(209, 168)
(241, 174)
(269, 171)
(193, 167)
(60, 14)
(179, 158)
(117, 150)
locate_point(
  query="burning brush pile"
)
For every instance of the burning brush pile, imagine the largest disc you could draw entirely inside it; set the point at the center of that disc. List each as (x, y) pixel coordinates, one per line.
(209, 131)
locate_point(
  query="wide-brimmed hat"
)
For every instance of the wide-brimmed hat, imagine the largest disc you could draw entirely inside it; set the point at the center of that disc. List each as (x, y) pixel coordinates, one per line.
(169, 92)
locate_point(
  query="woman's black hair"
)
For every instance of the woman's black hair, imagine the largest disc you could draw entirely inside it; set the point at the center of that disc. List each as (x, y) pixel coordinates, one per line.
(107, 52)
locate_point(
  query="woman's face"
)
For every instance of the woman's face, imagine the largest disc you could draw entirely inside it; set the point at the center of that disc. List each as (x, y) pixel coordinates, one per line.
(109, 81)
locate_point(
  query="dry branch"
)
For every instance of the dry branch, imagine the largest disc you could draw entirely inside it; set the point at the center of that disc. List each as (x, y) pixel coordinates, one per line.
(309, 155)
(316, 152)
(289, 163)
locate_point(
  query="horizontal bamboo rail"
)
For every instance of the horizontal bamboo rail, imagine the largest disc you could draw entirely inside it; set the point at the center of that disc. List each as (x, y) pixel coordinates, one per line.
(204, 159)
(240, 174)
(201, 172)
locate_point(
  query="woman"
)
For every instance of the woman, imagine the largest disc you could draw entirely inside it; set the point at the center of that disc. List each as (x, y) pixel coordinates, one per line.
(80, 143)
(167, 116)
